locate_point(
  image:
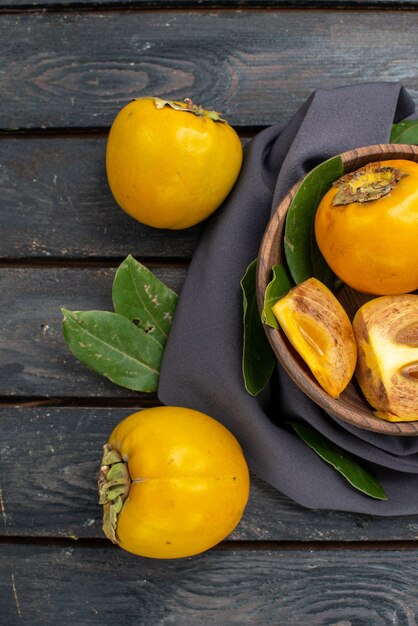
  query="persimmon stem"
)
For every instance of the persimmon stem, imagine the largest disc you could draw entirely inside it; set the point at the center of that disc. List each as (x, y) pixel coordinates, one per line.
(371, 182)
(189, 107)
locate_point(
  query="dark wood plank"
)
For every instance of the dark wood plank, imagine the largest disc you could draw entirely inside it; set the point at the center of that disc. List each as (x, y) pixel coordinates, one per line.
(209, 4)
(34, 359)
(77, 69)
(49, 462)
(44, 586)
(56, 203)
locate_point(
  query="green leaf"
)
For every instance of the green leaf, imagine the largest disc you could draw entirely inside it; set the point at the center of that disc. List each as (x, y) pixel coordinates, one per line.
(277, 288)
(139, 296)
(302, 254)
(111, 345)
(340, 460)
(320, 268)
(258, 360)
(405, 132)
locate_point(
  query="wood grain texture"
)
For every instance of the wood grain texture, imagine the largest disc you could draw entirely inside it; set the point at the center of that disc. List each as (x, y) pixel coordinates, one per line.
(49, 463)
(45, 586)
(74, 69)
(34, 359)
(56, 203)
(77, 69)
(351, 405)
(208, 4)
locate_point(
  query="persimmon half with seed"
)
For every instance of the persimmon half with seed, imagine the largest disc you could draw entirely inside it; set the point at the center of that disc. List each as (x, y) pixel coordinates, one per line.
(386, 330)
(319, 329)
(174, 482)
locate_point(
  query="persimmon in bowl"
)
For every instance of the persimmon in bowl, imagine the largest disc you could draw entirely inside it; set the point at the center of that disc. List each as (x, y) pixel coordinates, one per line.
(351, 405)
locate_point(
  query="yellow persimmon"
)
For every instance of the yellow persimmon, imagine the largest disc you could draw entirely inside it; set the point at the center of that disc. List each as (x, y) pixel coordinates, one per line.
(171, 164)
(386, 330)
(173, 483)
(366, 227)
(320, 331)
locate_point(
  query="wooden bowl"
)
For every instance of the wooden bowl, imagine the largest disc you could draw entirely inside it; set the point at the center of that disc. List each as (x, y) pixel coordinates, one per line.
(351, 406)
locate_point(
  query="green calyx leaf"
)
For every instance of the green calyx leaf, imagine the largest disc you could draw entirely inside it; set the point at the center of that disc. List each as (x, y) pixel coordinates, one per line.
(405, 132)
(114, 485)
(341, 461)
(139, 296)
(258, 359)
(301, 250)
(189, 107)
(276, 289)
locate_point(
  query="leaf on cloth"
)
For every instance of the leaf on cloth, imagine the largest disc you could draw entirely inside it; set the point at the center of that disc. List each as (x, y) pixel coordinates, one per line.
(258, 359)
(111, 345)
(344, 463)
(302, 254)
(139, 296)
(405, 132)
(276, 289)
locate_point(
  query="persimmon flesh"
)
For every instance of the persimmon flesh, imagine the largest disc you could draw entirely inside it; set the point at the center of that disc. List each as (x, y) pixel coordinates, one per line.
(319, 329)
(386, 331)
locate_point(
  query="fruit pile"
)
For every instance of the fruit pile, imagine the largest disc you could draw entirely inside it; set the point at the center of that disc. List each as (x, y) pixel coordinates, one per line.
(366, 227)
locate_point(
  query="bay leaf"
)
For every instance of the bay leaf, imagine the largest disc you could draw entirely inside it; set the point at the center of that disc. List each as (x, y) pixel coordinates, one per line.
(111, 345)
(277, 288)
(405, 132)
(258, 360)
(302, 254)
(342, 461)
(142, 298)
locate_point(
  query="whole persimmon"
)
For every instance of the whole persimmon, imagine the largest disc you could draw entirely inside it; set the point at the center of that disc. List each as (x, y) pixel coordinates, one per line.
(171, 164)
(366, 227)
(173, 483)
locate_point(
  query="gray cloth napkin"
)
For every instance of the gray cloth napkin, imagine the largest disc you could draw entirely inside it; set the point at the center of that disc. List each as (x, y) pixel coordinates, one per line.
(201, 368)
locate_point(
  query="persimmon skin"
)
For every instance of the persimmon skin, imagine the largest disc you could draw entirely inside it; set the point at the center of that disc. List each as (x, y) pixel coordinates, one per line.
(190, 482)
(372, 246)
(170, 168)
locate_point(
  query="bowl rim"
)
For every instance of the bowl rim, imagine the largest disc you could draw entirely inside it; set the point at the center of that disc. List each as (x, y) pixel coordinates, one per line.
(297, 370)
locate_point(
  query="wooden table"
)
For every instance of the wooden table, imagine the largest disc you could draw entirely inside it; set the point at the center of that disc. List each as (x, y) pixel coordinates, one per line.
(66, 68)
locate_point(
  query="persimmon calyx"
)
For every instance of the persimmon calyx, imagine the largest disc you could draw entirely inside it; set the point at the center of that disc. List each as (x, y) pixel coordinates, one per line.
(114, 484)
(371, 182)
(189, 107)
